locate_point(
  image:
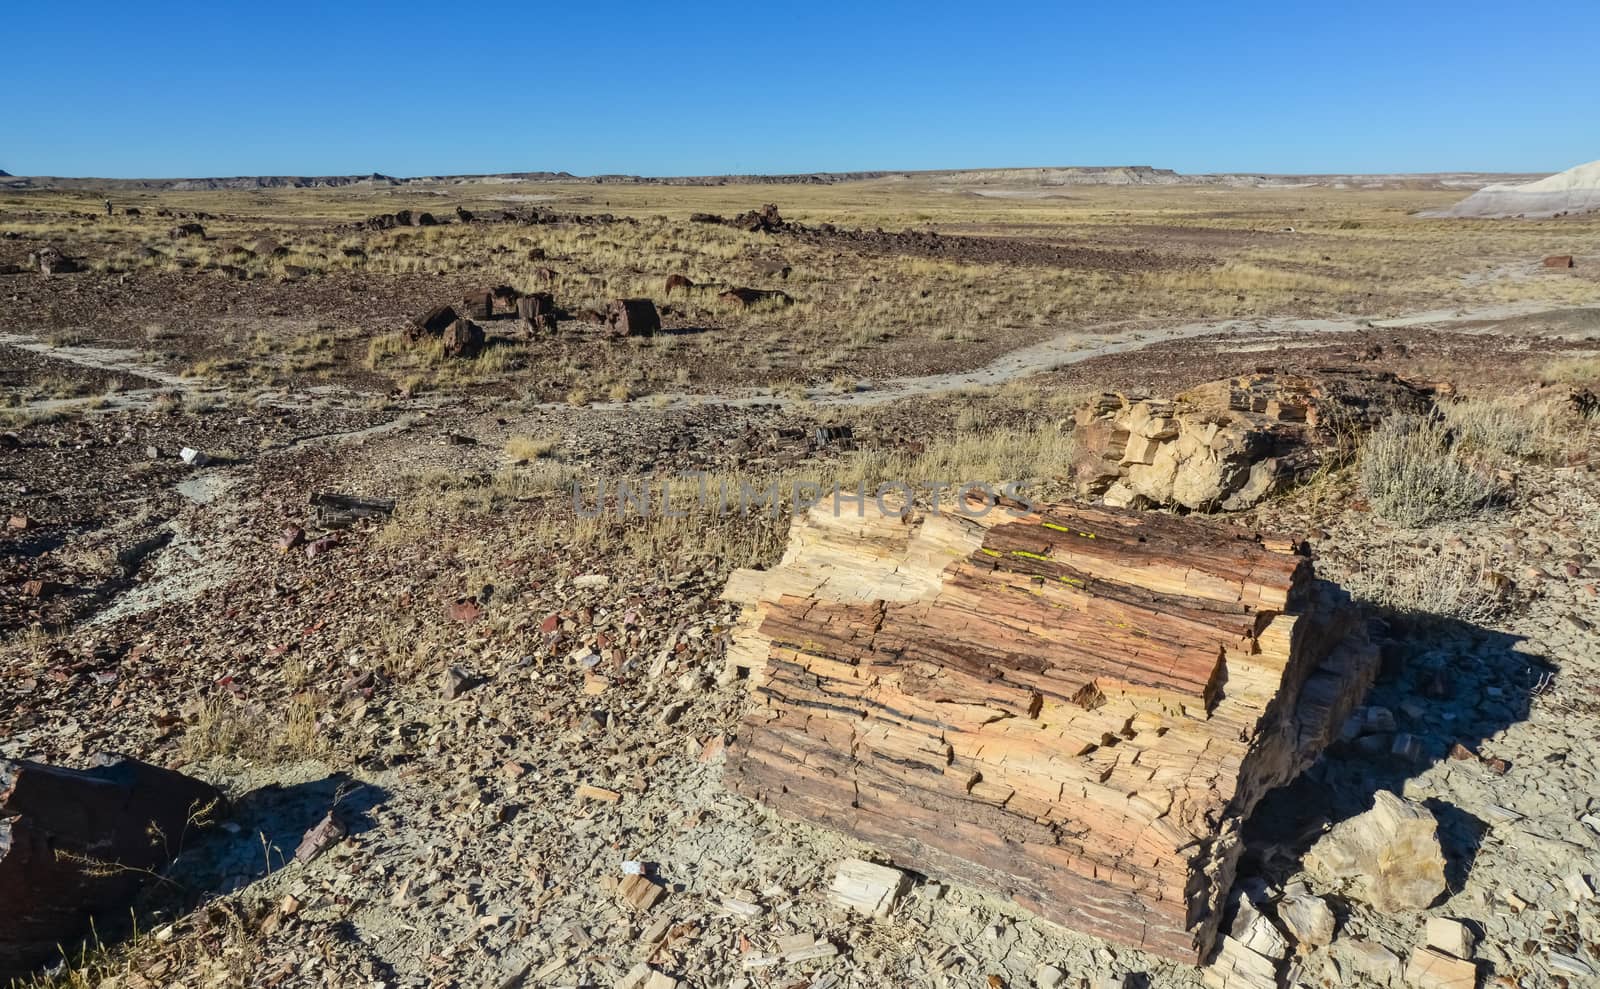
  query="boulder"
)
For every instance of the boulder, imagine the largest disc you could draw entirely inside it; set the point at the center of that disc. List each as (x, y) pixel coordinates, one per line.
(463, 338)
(1388, 856)
(184, 230)
(478, 304)
(1558, 261)
(504, 298)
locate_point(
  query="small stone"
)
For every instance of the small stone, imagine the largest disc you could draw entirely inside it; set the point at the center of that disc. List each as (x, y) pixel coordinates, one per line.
(1256, 932)
(1450, 936)
(323, 835)
(1579, 886)
(1048, 977)
(640, 892)
(1406, 748)
(456, 683)
(1308, 918)
(867, 887)
(1372, 959)
(1430, 968)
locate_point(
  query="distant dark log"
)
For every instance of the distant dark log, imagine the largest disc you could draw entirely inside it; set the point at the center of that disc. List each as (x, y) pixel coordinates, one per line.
(464, 338)
(537, 313)
(337, 511)
(633, 317)
(431, 323)
(76, 844)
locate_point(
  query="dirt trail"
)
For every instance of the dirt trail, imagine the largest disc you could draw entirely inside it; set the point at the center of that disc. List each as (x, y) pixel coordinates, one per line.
(1079, 345)
(1070, 347)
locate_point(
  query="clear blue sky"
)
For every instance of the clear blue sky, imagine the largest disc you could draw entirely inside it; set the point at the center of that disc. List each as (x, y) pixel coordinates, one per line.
(673, 88)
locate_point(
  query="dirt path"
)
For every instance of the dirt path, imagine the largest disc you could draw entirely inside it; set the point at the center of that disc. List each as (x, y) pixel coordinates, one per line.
(1074, 346)
(1069, 347)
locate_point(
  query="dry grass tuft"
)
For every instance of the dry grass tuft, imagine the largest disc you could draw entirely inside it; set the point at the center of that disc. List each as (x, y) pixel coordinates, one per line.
(522, 449)
(224, 728)
(1426, 583)
(1503, 425)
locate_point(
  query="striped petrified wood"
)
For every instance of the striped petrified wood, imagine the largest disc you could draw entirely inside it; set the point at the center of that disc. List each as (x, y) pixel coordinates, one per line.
(1075, 707)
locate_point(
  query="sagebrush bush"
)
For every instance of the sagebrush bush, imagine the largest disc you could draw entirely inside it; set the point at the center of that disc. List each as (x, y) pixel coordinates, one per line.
(1412, 474)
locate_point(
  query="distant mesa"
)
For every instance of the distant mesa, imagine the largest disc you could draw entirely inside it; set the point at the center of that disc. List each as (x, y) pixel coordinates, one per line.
(1576, 190)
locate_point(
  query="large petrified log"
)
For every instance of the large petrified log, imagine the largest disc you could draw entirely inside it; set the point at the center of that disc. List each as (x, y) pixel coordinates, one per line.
(1075, 707)
(76, 843)
(1228, 444)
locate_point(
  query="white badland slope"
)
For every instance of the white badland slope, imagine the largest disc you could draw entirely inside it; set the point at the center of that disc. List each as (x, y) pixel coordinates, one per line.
(1576, 190)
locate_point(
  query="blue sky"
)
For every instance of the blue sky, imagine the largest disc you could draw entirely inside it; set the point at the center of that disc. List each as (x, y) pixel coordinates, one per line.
(657, 88)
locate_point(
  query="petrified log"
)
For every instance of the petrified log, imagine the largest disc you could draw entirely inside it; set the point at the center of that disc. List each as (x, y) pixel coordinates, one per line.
(463, 338)
(478, 304)
(431, 323)
(504, 298)
(76, 844)
(1076, 707)
(537, 313)
(1228, 444)
(744, 298)
(340, 511)
(633, 318)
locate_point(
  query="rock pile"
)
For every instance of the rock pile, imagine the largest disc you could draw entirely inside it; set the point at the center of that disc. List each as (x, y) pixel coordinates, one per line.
(1226, 445)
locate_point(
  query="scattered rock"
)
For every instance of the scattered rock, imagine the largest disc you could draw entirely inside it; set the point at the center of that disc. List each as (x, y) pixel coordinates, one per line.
(867, 887)
(1228, 444)
(323, 835)
(1308, 918)
(1430, 968)
(1450, 936)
